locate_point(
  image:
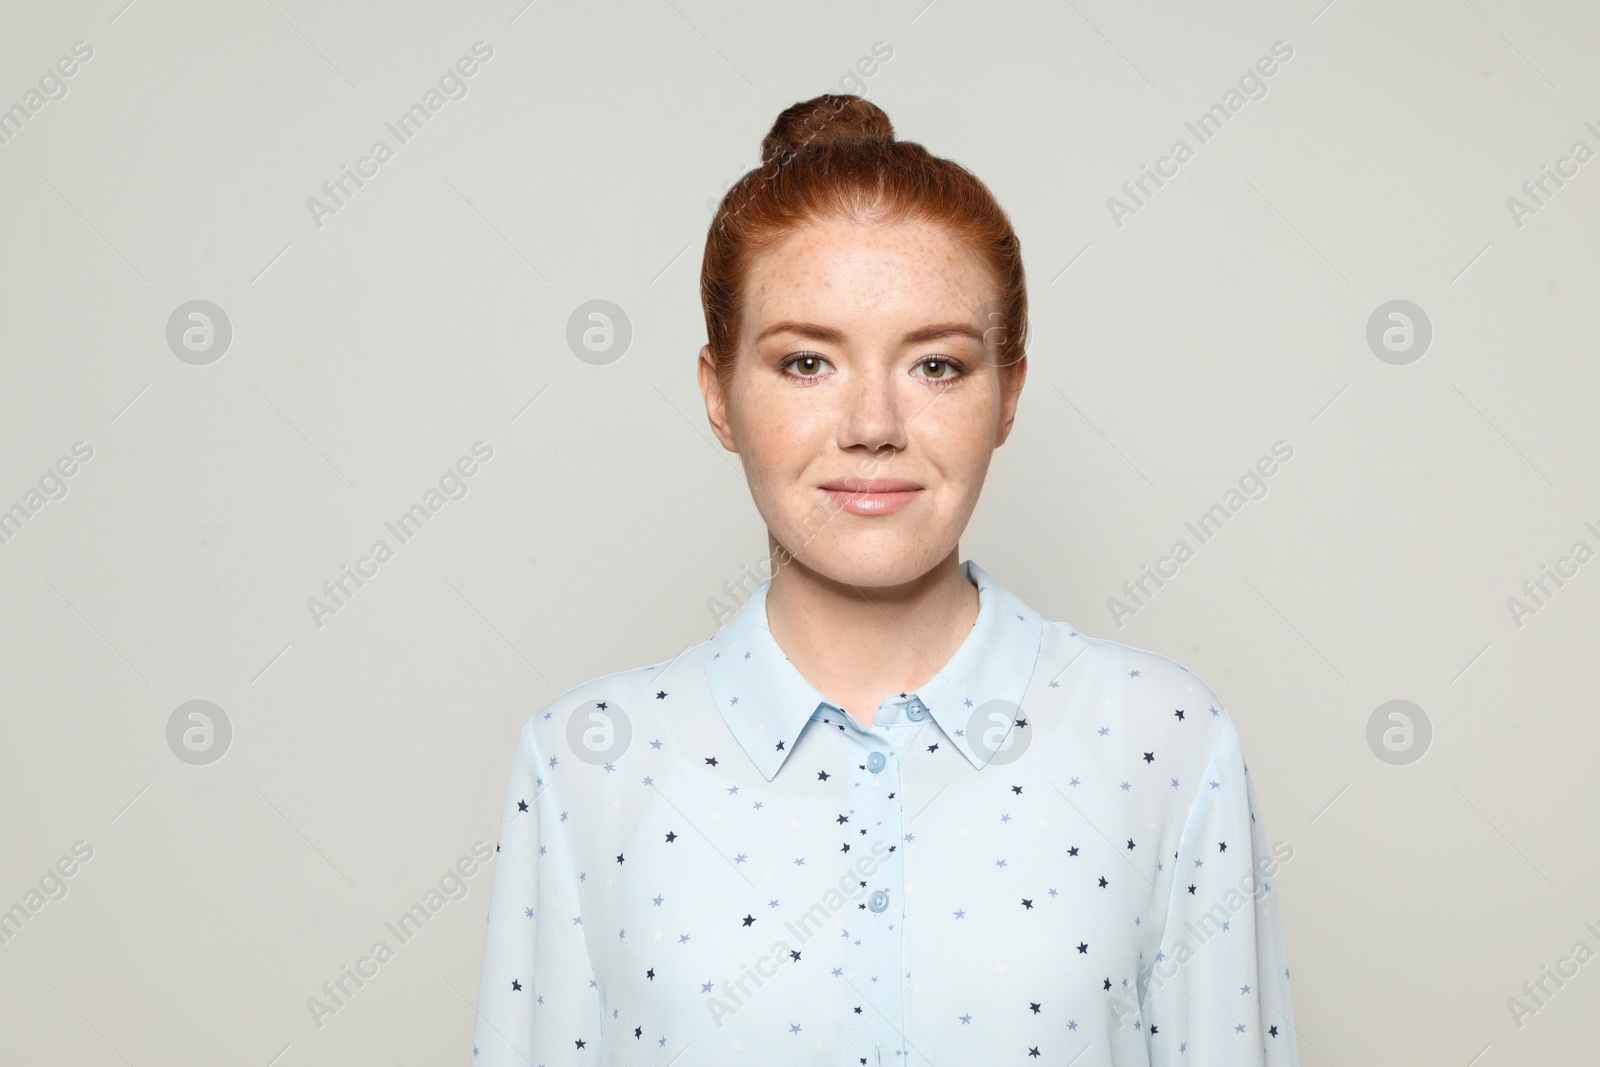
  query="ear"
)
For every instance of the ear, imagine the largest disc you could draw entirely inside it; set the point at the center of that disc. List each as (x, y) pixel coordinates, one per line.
(716, 399)
(1011, 390)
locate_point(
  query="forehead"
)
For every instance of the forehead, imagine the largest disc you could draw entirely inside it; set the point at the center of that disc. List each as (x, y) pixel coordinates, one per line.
(839, 270)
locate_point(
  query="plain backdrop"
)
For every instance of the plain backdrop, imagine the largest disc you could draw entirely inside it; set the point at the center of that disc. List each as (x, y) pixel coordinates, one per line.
(373, 345)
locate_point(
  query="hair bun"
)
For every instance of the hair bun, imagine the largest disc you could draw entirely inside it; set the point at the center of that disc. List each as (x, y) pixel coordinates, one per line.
(830, 117)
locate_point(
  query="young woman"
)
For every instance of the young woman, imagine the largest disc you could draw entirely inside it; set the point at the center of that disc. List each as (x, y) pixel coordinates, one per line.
(887, 814)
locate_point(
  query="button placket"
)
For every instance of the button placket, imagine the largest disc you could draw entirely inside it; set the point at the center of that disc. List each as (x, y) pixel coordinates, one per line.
(875, 952)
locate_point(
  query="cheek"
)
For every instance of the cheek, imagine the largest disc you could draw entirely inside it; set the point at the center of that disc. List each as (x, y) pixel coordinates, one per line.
(778, 432)
(958, 438)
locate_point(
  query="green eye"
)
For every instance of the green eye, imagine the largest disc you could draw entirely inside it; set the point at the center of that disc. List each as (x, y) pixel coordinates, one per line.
(807, 364)
(939, 369)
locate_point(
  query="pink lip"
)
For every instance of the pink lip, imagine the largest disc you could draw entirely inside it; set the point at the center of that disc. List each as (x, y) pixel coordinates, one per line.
(853, 484)
(870, 496)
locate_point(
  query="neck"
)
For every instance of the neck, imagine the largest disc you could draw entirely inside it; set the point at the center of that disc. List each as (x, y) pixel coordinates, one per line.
(858, 645)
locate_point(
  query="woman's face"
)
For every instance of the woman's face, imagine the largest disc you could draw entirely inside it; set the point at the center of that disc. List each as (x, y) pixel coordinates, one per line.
(865, 403)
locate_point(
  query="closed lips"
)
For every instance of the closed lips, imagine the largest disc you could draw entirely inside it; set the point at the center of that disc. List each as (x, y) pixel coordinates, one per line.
(870, 485)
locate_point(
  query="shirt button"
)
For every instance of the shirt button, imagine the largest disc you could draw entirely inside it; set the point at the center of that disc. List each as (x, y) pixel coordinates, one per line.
(875, 762)
(916, 712)
(879, 901)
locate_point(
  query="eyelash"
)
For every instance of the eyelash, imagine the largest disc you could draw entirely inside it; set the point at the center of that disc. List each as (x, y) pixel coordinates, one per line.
(811, 379)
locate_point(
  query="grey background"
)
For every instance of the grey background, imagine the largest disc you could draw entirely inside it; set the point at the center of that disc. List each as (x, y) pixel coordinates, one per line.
(1168, 354)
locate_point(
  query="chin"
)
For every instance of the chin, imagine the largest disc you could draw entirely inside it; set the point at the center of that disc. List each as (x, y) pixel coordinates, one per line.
(877, 560)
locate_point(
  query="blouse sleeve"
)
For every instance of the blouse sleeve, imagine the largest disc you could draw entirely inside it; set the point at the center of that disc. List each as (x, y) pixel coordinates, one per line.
(1218, 991)
(537, 1001)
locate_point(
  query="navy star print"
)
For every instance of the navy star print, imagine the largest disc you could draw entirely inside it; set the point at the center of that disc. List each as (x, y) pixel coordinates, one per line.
(757, 879)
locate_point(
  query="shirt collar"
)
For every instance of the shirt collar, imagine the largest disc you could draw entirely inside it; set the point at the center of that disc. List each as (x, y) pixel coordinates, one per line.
(766, 701)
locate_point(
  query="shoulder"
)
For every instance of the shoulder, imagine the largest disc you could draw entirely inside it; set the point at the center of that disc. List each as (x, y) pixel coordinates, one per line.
(1148, 697)
(620, 694)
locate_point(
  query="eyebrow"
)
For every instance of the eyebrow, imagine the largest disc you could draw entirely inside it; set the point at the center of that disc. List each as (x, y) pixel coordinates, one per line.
(829, 335)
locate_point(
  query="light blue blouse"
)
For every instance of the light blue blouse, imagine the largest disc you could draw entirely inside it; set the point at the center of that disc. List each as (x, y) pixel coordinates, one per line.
(1048, 854)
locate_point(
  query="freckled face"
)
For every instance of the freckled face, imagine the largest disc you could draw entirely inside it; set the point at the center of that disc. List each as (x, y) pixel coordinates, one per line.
(864, 403)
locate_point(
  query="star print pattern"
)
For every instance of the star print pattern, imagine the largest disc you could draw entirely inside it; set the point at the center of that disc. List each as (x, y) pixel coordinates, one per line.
(758, 878)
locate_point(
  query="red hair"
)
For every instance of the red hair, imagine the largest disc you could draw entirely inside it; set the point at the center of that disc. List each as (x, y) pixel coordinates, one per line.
(835, 157)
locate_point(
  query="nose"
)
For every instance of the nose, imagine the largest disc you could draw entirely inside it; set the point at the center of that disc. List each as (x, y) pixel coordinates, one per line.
(874, 416)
